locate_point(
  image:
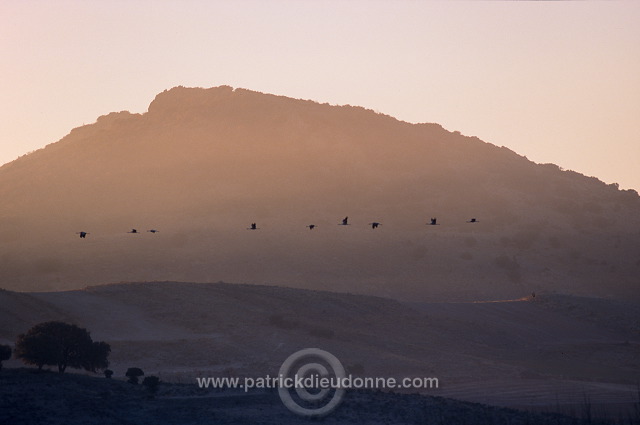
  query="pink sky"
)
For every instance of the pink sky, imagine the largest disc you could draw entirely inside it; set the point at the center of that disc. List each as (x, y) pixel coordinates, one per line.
(556, 81)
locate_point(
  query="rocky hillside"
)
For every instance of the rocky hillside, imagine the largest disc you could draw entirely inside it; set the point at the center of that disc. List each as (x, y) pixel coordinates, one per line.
(202, 164)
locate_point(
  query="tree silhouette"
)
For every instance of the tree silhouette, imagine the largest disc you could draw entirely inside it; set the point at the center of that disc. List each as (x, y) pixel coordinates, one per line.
(5, 354)
(133, 373)
(37, 349)
(97, 356)
(151, 382)
(63, 345)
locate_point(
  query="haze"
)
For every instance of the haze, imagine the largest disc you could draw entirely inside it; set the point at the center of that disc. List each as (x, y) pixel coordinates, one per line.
(202, 164)
(556, 81)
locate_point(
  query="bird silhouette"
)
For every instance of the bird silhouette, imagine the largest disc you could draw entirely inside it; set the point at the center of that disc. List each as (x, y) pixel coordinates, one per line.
(254, 226)
(133, 231)
(311, 226)
(374, 225)
(153, 231)
(82, 234)
(434, 222)
(473, 220)
(345, 221)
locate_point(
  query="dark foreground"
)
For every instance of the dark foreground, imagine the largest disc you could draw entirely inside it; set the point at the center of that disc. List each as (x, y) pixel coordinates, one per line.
(31, 397)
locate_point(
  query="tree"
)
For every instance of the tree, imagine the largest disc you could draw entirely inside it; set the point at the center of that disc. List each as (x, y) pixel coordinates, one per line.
(36, 349)
(133, 373)
(151, 382)
(63, 345)
(5, 354)
(96, 357)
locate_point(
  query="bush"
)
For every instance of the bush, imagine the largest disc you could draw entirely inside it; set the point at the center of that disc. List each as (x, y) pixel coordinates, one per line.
(133, 373)
(151, 382)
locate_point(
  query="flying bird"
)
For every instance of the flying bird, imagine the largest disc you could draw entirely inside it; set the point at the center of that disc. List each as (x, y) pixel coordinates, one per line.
(153, 231)
(311, 226)
(473, 220)
(254, 226)
(345, 221)
(82, 234)
(133, 231)
(374, 225)
(434, 222)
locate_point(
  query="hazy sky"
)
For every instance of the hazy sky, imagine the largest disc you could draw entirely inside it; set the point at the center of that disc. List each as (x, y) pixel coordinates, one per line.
(556, 81)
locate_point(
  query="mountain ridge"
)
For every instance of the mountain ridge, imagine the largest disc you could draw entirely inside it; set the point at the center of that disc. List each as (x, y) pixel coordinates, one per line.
(202, 164)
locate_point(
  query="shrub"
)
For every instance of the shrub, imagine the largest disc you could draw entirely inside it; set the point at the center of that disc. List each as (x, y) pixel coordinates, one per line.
(133, 373)
(151, 383)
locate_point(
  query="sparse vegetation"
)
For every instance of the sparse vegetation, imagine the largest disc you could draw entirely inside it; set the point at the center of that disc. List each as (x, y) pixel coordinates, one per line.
(69, 399)
(179, 328)
(515, 199)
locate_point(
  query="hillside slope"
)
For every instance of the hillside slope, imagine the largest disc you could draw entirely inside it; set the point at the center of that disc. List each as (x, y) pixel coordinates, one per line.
(528, 353)
(202, 164)
(29, 398)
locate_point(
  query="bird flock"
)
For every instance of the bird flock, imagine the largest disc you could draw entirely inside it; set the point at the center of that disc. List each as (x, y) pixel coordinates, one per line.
(254, 226)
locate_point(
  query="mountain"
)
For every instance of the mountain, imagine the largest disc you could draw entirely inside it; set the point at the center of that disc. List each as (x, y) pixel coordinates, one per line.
(202, 164)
